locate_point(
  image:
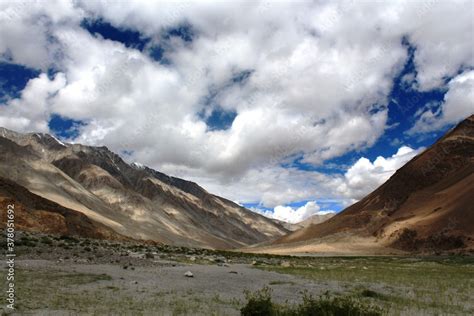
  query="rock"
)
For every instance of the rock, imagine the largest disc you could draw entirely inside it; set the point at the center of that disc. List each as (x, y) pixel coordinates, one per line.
(192, 258)
(233, 272)
(259, 262)
(149, 255)
(285, 264)
(189, 274)
(136, 255)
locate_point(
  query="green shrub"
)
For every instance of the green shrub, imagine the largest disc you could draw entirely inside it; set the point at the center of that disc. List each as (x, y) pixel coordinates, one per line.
(26, 241)
(46, 240)
(260, 303)
(69, 239)
(371, 294)
(334, 306)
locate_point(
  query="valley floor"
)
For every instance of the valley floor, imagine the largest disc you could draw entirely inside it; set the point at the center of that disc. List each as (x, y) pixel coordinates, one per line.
(69, 276)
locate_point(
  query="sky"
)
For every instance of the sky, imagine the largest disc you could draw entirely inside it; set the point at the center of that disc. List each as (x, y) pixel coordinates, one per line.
(290, 109)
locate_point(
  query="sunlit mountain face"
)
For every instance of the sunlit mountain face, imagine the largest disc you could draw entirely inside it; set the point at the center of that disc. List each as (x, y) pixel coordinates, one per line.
(287, 109)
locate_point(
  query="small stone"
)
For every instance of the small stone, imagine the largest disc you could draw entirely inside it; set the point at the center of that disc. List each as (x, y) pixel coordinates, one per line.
(189, 274)
(233, 272)
(285, 264)
(149, 255)
(192, 258)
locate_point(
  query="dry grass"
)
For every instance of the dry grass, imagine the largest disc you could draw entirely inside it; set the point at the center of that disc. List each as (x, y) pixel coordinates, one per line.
(414, 285)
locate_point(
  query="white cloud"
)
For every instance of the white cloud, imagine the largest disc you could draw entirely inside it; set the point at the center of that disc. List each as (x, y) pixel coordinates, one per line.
(365, 176)
(31, 111)
(293, 215)
(458, 104)
(26, 28)
(277, 186)
(321, 75)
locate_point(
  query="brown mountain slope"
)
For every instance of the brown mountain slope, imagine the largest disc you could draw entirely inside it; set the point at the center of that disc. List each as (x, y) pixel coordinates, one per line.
(427, 205)
(133, 200)
(34, 213)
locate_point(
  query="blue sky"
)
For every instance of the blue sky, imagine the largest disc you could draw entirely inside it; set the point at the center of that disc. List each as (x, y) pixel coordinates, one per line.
(307, 107)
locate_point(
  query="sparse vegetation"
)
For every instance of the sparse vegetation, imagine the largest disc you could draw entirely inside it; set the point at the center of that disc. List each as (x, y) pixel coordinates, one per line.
(260, 303)
(46, 240)
(371, 293)
(438, 284)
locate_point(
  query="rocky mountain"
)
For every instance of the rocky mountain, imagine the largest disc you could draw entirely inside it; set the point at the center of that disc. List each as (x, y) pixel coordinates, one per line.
(36, 214)
(426, 206)
(101, 190)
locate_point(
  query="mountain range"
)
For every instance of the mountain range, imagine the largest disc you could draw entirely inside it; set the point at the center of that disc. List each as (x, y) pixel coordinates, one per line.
(427, 206)
(76, 189)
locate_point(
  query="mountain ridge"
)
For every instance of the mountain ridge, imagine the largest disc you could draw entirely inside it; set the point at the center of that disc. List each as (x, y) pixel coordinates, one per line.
(135, 201)
(425, 206)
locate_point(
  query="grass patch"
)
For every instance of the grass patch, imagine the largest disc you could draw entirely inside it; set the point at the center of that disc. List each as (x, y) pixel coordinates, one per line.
(438, 285)
(260, 303)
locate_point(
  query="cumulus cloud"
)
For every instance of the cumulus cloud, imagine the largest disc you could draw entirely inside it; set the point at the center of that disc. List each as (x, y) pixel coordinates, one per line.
(272, 187)
(365, 176)
(319, 78)
(31, 111)
(293, 215)
(458, 104)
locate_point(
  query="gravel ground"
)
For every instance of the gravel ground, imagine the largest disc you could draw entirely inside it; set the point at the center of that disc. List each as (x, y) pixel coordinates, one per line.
(208, 280)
